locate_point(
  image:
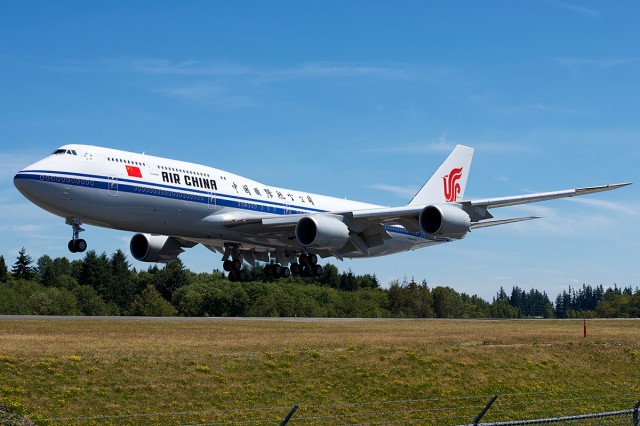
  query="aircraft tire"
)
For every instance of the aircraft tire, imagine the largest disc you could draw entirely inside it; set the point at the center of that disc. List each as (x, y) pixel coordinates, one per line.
(233, 276)
(81, 245)
(277, 270)
(295, 269)
(236, 264)
(226, 265)
(317, 270)
(268, 270)
(286, 272)
(242, 276)
(72, 246)
(312, 259)
(306, 271)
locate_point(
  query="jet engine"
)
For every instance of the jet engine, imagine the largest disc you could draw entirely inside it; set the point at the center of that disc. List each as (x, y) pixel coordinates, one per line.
(444, 220)
(155, 248)
(322, 232)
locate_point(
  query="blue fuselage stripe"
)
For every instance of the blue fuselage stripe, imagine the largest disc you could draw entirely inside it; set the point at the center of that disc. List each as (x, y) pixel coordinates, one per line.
(117, 184)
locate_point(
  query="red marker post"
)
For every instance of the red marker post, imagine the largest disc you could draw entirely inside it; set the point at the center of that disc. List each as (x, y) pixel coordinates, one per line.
(585, 327)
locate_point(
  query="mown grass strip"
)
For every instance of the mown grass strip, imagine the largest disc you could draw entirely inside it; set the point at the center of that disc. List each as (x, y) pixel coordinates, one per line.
(338, 372)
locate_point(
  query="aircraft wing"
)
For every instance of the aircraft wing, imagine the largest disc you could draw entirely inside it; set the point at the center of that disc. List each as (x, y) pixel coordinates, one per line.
(543, 196)
(406, 215)
(367, 227)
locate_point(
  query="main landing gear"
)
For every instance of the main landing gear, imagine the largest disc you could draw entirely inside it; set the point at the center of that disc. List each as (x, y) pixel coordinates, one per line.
(276, 270)
(307, 266)
(77, 244)
(234, 267)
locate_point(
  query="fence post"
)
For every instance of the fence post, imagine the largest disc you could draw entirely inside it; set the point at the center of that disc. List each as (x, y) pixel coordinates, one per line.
(484, 410)
(286, 419)
(635, 414)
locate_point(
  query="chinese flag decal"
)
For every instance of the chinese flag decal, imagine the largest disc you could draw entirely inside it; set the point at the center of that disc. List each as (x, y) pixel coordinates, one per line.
(134, 171)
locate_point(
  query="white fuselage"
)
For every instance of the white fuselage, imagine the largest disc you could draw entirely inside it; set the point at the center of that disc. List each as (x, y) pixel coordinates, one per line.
(147, 194)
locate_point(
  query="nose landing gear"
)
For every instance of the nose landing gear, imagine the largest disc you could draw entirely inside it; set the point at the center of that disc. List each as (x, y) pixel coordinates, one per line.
(77, 244)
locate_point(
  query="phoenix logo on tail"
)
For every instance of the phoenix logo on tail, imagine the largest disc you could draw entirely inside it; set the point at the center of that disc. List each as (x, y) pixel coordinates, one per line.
(451, 185)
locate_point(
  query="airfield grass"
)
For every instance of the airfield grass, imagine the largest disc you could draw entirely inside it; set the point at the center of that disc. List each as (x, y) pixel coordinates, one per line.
(172, 371)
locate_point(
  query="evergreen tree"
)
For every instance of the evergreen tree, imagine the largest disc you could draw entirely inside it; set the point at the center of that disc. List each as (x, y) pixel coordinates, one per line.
(367, 281)
(330, 276)
(348, 281)
(171, 278)
(22, 268)
(4, 272)
(122, 286)
(55, 272)
(96, 272)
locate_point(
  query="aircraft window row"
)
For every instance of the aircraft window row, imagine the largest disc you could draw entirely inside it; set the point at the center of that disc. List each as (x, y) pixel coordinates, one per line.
(189, 172)
(74, 181)
(65, 151)
(120, 160)
(164, 192)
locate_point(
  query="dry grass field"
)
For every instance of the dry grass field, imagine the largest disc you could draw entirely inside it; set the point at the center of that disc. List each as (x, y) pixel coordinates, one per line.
(216, 371)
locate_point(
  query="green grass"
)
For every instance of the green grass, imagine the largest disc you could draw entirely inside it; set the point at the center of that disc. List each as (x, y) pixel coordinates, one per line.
(173, 371)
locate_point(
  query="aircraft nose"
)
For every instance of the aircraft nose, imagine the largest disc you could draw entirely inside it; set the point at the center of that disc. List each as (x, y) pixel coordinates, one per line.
(21, 182)
(26, 181)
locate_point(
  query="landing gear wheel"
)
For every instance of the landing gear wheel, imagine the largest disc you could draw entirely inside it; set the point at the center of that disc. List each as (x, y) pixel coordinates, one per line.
(233, 276)
(242, 276)
(295, 269)
(312, 259)
(268, 270)
(277, 270)
(317, 270)
(236, 264)
(77, 246)
(81, 245)
(285, 272)
(306, 271)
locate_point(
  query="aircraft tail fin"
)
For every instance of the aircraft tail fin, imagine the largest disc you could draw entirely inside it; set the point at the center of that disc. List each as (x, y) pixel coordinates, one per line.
(447, 184)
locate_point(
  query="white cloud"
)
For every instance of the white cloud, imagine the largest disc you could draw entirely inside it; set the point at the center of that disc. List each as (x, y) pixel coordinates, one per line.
(208, 93)
(575, 64)
(580, 10)
(620, 208)
(399, 191)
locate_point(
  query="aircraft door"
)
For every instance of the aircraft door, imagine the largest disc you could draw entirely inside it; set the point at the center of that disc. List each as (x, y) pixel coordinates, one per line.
(151, 165)
(112, 186)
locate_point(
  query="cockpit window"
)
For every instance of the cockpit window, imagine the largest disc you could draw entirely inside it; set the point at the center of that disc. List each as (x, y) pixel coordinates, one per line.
(65, 151)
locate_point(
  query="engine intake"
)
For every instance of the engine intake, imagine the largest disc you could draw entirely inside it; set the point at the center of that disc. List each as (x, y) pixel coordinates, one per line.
(322, 232)
(444, 220)
(154, 248)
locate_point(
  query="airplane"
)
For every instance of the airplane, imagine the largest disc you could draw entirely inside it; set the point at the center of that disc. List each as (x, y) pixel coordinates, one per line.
(172, 205)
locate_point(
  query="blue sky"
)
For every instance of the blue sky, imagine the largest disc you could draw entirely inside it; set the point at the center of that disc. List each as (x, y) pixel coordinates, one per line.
(356, 99)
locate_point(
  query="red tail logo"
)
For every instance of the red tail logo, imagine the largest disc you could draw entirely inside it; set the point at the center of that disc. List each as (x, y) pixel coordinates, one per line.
(451, 185)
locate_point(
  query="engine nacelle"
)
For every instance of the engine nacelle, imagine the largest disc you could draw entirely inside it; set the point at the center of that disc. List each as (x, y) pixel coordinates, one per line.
(322, 232)
(444, 220)
(154, 248)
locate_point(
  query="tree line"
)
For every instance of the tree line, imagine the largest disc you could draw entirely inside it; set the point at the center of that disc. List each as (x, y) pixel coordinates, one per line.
(107, 285)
